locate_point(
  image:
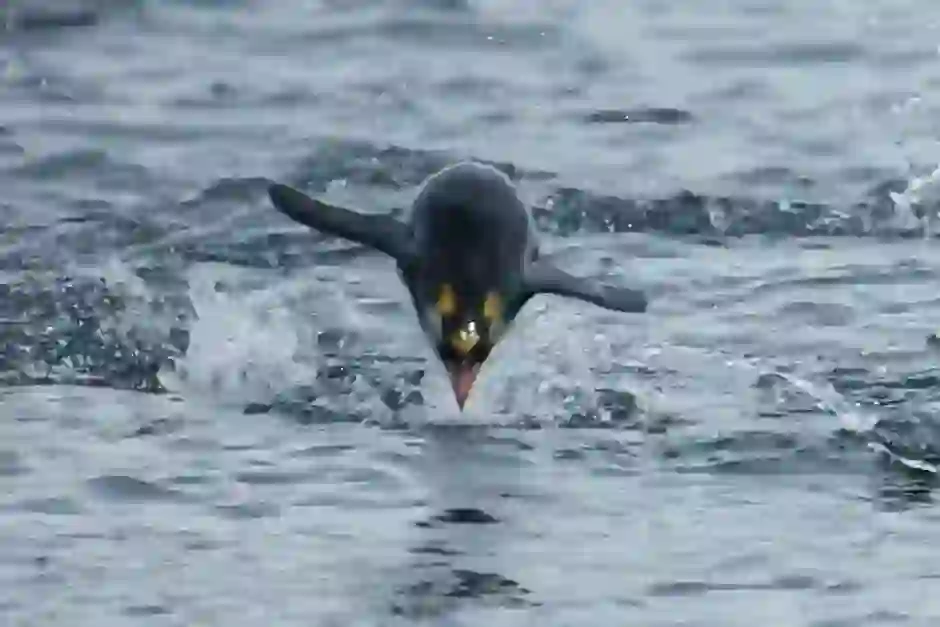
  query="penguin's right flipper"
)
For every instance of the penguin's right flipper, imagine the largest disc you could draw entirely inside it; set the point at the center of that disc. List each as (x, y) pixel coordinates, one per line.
(546, 278)
(381, 232)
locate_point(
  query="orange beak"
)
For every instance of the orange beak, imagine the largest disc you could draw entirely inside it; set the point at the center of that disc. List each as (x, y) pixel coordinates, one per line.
(463, 369)
(462, 377)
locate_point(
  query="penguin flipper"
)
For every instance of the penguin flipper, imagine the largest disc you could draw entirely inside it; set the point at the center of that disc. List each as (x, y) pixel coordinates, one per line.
(381, 232)
(546, 278)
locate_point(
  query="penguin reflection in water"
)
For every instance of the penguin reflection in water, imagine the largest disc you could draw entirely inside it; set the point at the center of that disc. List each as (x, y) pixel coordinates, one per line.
(469, 256)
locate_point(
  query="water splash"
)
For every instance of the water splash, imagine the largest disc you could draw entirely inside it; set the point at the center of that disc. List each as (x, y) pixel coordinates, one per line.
(917, 203)
(243, 344)
(851, 416)
(78, 328)
(854, 418)
(544, 365)
(921, 465)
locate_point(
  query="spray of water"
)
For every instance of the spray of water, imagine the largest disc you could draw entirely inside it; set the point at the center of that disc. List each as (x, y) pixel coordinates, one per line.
(852, 417)
(919, 197)
(244, 344)
(542, 368)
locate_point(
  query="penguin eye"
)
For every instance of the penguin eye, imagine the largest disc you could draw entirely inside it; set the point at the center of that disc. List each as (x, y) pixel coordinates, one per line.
(446, 301)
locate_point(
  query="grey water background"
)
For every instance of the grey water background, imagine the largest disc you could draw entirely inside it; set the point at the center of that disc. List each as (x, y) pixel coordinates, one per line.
(212, 416)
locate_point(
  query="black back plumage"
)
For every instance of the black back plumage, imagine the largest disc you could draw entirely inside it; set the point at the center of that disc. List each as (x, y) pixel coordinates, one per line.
(470, 230)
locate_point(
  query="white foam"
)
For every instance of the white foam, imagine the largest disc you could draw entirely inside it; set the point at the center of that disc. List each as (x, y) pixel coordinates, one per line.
(243, 344)
(921, 192)
(542, 366)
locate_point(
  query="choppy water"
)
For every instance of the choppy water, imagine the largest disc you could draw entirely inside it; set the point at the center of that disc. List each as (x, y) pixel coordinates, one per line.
(212, 416)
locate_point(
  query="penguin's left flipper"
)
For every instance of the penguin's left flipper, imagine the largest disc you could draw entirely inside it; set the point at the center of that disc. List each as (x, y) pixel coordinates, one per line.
(546, 278)
(381, 232)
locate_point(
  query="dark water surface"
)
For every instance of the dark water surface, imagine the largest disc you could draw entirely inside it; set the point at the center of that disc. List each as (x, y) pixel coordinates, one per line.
(212, 416)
